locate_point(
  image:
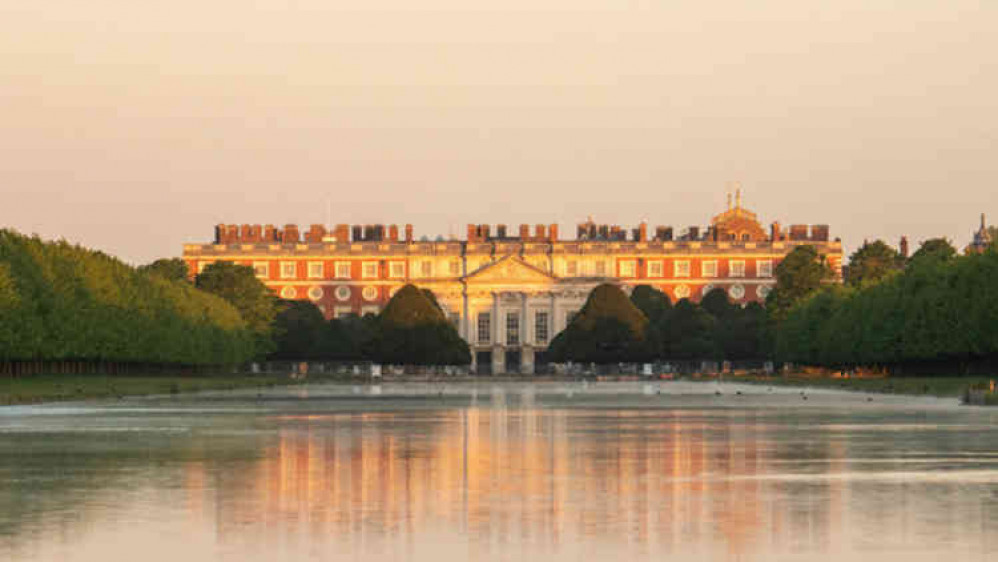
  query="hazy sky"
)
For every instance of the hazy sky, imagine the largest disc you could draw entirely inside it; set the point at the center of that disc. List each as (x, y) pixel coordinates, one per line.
(135, 126)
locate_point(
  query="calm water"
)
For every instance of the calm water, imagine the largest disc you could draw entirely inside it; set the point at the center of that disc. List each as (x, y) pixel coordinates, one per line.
(487, 472)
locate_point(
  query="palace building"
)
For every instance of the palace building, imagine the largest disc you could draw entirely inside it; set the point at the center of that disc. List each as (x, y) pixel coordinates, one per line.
(510, 292)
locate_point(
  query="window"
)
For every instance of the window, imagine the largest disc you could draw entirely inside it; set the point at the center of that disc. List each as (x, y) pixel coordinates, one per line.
(288, 293)
(763, 291)
(261, 269)
(541, 327)
(764, 268)
(571, 268)
(342, 293)
(370, 270)
(736, 291)
(455, 268)
(484, 327)
(315, 293)
(736, 268)
(512, 328)
(709, 268)
(397, 270)
(681, 291)
(601, 268)
(628, 268)
(681, 268)
(370, 309)
(315, 270)
(655, 269)
(342, 311)
(343, 270)
(425, 268)
(369, 293)
(289, 270)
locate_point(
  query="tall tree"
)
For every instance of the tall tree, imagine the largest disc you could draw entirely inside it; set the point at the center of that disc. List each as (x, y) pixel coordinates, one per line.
(653, 303)
(298, 330)
(799, 275)
(174, 269)
(412, 330)
(689, 333)
(934, 248)
(872, 262)
(608, 329)
(239, 285)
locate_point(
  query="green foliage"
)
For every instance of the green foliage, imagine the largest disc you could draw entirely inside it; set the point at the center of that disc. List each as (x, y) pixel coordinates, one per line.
(688, 333)
(608, 329)
(239, 285)
(412, 330)
(799, 275)
(872, 262)
(298, 330)
(654, 304)
(939, 309)
(717, 304)
(61, 302)
(934, 249)
(174, 269)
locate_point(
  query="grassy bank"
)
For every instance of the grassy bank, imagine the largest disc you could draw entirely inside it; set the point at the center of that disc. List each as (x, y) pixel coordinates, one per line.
(942, 386)
(51, 388)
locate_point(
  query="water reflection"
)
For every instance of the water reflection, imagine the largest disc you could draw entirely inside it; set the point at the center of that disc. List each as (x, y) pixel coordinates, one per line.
(493, 481)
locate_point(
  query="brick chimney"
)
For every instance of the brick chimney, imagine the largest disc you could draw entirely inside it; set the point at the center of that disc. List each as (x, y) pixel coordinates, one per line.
(774, 232)
(643, 232)
(539, 233)
(903, 247)
(524, 232)
(291, 235)
(408, 234)
(393, 233)
(553, 232)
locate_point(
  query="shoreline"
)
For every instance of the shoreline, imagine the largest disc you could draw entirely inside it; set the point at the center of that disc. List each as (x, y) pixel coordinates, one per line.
(43, 389)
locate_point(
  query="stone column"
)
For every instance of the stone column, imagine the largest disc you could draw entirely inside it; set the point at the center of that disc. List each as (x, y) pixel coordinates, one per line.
(526, 338)
(498, 351)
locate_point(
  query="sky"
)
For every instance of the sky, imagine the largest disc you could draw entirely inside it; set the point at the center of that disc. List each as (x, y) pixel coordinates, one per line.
(135, 127)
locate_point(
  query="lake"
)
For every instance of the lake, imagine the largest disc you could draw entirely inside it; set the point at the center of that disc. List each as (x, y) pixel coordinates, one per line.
(548, 471)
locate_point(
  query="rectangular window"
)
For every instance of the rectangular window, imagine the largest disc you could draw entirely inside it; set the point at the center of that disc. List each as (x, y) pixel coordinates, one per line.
(369, 309)
(512, 328)
(541, 327)
(600, 268)
(628, 268)
(315, 270)
(289, 270)
(736, 268)
(571, 268)
(484, 327)
(709, 268)
(426, 269)
(343, 270)
(370, 270)
(342, 311)
(455, 268)
(681, 268)
(397, 270)
(655, 269)
(764, 268)
(261, 269)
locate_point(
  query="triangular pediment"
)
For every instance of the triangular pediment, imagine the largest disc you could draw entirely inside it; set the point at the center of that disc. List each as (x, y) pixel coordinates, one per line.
(509, 270)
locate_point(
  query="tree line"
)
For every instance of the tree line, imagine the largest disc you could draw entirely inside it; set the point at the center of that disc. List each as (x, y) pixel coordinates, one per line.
(934, 312)
(61, 303)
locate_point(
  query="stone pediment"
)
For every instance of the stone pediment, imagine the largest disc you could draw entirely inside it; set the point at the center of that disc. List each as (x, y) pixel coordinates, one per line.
(510, 270)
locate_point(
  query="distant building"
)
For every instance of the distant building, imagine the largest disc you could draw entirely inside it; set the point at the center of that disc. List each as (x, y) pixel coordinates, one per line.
(510, 292)
(982, 238)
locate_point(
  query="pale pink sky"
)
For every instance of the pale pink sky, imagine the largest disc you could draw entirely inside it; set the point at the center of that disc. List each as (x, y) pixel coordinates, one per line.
(134, 127)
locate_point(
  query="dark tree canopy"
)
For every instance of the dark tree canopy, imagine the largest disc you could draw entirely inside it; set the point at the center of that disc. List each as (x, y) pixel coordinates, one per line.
(799, 275)
(872, 262)
(654, 304)
(174, 269)
(688, 333)
(608, 329)
(935, 249)
(717, 304)
(298, 330)
(412, 330)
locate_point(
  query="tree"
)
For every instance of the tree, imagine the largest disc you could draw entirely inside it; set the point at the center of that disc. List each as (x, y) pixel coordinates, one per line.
(799, 275)
(688, 333)
(717, 304)
(608, 329)
(872, 262)
(174, 269)
(298, 330)
(412, 330)
(934, 248)
(654, 304)
(238, 285)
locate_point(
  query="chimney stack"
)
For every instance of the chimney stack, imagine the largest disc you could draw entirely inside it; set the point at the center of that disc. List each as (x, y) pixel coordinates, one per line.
(408, 234)
(472, 233)
(393, 233)
(524, 232)
(643, 232)
(539, 233)
(358, 232)
(774, 232)
(903, 246)
(291, 235)
(553, 232)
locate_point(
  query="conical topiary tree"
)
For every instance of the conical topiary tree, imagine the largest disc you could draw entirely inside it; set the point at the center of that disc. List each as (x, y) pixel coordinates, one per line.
(412, 330)
(608, 329)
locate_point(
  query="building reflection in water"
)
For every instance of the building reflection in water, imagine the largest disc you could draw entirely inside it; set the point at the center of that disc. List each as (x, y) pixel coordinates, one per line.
(649, 481)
